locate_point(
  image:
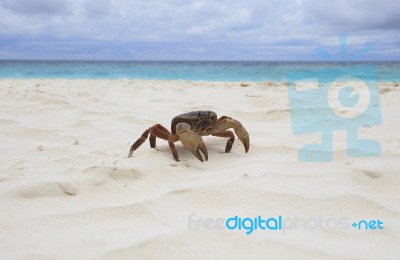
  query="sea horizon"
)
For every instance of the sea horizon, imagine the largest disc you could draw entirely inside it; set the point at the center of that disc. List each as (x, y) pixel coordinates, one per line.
(196, 70)
(201, 60)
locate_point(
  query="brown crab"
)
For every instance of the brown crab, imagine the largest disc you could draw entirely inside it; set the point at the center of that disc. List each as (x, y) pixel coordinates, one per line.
(189, 127)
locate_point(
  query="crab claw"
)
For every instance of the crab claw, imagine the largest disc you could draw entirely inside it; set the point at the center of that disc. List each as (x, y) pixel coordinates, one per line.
(242, 134)
(192, 141)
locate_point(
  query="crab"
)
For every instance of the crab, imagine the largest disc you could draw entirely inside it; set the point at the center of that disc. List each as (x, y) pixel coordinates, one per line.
(190, 127)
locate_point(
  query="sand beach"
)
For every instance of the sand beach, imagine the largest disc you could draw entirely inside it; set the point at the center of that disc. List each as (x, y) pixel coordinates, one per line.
(69, 190)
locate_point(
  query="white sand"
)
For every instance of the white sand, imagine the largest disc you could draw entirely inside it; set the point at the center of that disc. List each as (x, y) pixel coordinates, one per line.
(68, 189)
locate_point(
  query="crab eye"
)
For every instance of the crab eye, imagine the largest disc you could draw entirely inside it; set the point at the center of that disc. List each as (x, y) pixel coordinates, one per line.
(198, 114)
(211, 115)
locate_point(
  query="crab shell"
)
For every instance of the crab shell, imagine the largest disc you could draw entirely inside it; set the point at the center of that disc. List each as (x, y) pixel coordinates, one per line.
(201, 122)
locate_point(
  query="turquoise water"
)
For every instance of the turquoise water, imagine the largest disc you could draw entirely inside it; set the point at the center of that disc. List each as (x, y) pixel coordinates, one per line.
(185, 70)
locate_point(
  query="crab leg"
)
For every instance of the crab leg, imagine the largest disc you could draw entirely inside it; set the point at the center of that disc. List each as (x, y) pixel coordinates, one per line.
(160, 132)
(140, 141)
(225, 122)
(229, 143)
(192, 141)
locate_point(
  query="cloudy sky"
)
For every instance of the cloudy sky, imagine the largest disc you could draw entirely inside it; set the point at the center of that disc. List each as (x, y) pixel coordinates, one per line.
(197, 30)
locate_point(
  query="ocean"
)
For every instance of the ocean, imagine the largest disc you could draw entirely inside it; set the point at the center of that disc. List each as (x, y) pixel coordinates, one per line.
(185, 70)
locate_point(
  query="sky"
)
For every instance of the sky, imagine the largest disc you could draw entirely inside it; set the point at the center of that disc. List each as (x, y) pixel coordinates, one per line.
(270, 30)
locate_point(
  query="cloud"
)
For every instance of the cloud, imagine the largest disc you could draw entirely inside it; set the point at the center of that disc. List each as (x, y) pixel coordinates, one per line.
(152, 20)
(200, 29)
(35, 7)
(356, 14)
(99, 8)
